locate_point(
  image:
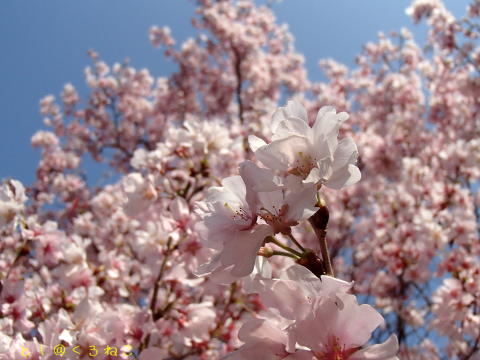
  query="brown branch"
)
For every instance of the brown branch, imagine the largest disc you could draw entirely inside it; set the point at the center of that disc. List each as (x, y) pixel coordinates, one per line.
(238, 90)
(153, 300)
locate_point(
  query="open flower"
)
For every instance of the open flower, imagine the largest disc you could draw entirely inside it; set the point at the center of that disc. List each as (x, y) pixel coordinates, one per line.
(293, 294)
(279, 208)
(140, 193)
(12, 199)
(229, 226)
(236, 219)
(339, 328)
(299, 152)
(308, 318)
(264, 339)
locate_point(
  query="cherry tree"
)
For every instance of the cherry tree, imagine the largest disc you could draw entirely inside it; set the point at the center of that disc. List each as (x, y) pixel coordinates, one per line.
(250, 213)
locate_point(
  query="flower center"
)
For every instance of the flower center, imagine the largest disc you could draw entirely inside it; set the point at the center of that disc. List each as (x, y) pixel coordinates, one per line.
(240, 216)
(334, 351)
(304, 163)
(276, 219)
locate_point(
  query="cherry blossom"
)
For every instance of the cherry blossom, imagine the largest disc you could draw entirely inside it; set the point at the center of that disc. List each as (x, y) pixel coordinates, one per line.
(140, 193)
(313, 319)
(12, 199)
(209, 171)
(229, 223)
(312, 154)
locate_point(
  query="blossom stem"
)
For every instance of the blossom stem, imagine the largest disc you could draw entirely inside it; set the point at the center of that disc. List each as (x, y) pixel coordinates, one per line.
(295, 241)
(322, 238)
(284, 253)
(283, 246)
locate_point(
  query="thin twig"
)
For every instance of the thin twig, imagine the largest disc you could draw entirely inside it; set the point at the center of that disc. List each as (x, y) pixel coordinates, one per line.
(283, 246)
(322, 239)
(153, 301)
(284, 253)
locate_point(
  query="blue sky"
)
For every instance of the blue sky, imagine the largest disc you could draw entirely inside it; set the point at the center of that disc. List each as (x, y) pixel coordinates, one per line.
(44, 44)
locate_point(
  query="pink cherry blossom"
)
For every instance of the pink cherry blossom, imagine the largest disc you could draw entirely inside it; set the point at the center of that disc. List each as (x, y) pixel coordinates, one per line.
(312, 154)
(229, 225)
(311, 318)
(209, 172)
(348, 326)
(140, 193)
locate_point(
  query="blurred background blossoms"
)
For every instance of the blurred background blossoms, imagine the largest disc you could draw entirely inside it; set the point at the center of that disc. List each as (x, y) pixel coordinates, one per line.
(237, 153)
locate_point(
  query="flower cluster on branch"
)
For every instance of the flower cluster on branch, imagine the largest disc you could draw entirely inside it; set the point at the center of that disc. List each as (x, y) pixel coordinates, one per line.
(230, 225)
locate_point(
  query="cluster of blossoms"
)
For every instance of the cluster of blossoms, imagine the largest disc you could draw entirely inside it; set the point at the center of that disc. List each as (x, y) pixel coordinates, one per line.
(305, 317)
(115, 260)
(269, 200)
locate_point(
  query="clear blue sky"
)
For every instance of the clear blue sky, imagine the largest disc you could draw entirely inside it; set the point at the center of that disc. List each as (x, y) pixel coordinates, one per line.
(43, 46)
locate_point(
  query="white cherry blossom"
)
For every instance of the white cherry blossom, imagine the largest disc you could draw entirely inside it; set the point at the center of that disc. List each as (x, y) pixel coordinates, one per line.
(299, 152)
(229, 227)
(12, 199)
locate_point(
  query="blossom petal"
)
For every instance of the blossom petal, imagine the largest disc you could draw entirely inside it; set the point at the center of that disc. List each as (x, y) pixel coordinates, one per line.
(326, 122)
(291, 120)
(358, 332)
(235, 185)
(260, 329)
(255, 142)
(222, 275)
(241, 250)
(209, 267)
(325, 130)
(256, 178)
(348, 175)
(292, 126)
(281, 154)
(301, 205)
(153, 353)
(301, 355)
(346, 153)
(295, 109)
(313, 177)
(260, 349)
(384, 351)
